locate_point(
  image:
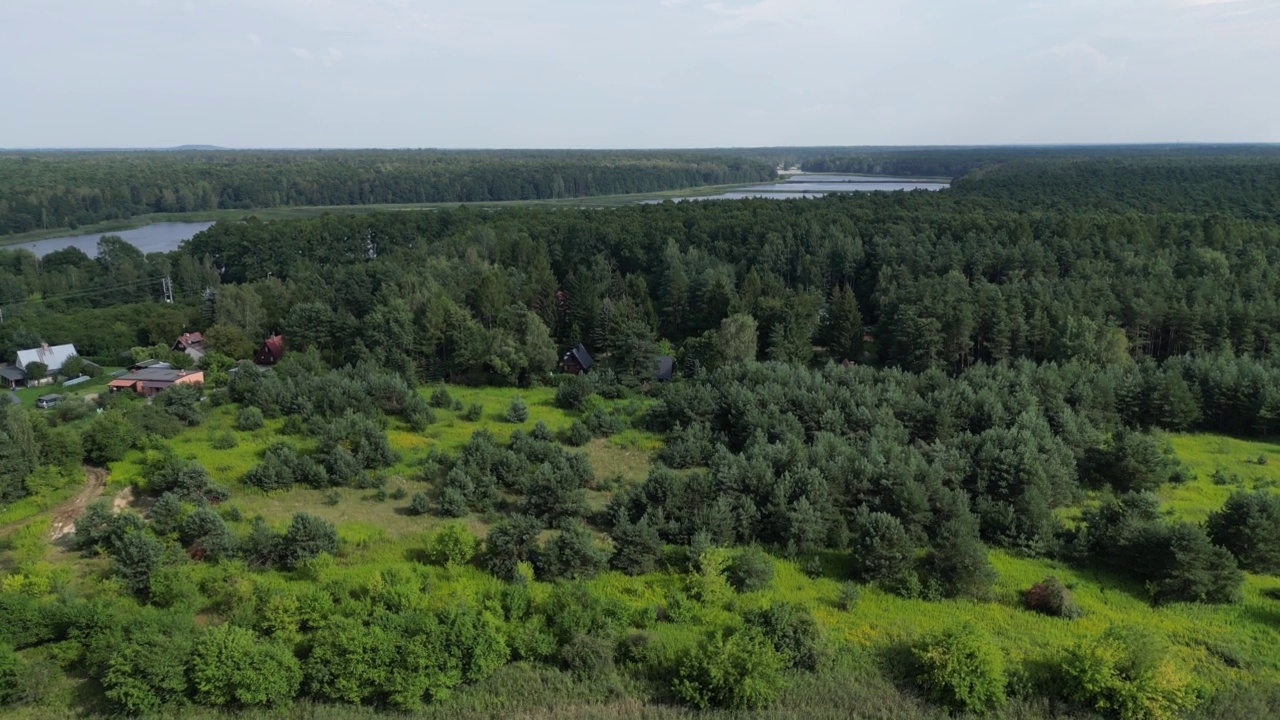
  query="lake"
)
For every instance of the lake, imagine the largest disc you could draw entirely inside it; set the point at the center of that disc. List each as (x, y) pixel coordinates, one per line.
(818, 185)
(156, 237)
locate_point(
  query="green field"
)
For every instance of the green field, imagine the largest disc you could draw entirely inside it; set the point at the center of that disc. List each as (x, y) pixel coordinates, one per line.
(93, 386)
(1221, 466)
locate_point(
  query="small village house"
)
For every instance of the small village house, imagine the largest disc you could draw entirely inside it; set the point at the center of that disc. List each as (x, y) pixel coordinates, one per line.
(52, 357)
(190, 343)
(271, 351)
(150, 380)
(577, 360)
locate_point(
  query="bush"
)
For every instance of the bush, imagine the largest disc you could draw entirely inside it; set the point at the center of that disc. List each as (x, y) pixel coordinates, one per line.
(454, 545)
(792, 631)
(517, 411)
(440, 398)
(750, 570)
(249, 419)
(420, 504)
(474, 412)
(850, 595)
(307, 537)
(587, 656)
(961, 669)
(1051, 597)
(224, 440)
(231, 666)
(1127, 671)
(741, 671)
(10, 670)
(577, 435)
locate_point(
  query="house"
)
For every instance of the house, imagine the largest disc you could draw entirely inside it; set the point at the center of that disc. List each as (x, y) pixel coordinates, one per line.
(151, 380)
(53, 359)
(666, 368)
(191, 344)
(577, 360)
(271, 351)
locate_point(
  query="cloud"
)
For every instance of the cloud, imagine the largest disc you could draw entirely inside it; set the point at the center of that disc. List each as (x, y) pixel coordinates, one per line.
(255, 39)
(302, 53)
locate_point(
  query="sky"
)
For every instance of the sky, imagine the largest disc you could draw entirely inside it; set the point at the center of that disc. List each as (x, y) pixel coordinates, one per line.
(635, 73)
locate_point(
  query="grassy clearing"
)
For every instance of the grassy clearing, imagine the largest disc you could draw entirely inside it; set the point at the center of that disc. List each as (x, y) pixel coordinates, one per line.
(1221, 465)
(75, 392)
(359, 514)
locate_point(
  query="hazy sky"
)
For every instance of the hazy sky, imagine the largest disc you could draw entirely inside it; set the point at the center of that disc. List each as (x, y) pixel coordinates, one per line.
(635, 73)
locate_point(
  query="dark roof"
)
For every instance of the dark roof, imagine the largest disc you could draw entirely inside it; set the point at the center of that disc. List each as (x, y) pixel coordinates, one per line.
(148, 364)
(271, 351)
(13, 372)
(155, 374)
(583, 356)
(190, 340)
(666, 367)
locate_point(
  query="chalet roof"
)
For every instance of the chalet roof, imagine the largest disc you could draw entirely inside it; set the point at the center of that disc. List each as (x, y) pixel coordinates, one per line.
(271, 351)
(579, 353)
(190, 341)
(52, 356)
(666, 368)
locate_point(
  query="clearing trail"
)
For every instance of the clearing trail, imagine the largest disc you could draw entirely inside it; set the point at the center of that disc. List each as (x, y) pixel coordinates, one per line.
(64, 516)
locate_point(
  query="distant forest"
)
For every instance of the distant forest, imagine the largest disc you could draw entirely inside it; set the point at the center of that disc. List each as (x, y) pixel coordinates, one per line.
(69, 189)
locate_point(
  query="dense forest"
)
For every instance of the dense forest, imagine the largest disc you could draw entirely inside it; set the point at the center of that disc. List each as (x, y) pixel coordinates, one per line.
(69, 189)
(958, 162)
(916, 459)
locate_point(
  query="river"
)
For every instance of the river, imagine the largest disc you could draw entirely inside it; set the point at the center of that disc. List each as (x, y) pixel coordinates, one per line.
(156, 237)
(804, 185)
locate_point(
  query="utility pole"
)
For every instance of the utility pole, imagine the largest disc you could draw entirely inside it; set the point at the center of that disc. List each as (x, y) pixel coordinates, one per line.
(167, 285)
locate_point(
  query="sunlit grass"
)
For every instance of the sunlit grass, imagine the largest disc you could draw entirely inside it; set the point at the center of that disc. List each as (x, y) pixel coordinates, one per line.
(1227, 457)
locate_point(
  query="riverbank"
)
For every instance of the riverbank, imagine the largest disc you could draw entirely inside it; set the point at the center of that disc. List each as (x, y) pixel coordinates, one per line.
(281, 213)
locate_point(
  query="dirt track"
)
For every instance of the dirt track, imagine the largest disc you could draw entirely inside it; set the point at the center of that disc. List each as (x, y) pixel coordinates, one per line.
(64, 516)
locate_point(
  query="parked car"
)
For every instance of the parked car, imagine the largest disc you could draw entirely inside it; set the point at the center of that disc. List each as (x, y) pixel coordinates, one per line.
(47, 401)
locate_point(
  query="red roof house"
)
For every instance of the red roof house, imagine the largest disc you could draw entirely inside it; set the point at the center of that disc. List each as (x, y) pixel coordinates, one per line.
(271, 351)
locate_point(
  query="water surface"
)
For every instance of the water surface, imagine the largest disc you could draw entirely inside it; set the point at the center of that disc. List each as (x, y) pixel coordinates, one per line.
(156, 237)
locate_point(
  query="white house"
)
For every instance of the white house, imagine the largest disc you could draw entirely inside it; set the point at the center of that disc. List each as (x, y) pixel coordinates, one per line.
(52, 357)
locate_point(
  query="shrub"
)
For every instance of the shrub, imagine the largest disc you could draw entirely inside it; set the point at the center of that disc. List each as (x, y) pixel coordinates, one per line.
(792, 631)
(850, 595)
(541, 432)
(10, 670)
(420, 504)
(249, 419)
(517, 411)
(961, 669)
(750, 570)
(577, 435)
(1249, 526)
(231, 666)
(1126, 671)
(741, 671)
(1051, 597)
(588, 656)
(399, 493)
(224, 440)
(440, 398)
(474, 412)
(572, 554)
(454, 545)
(307, 537)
